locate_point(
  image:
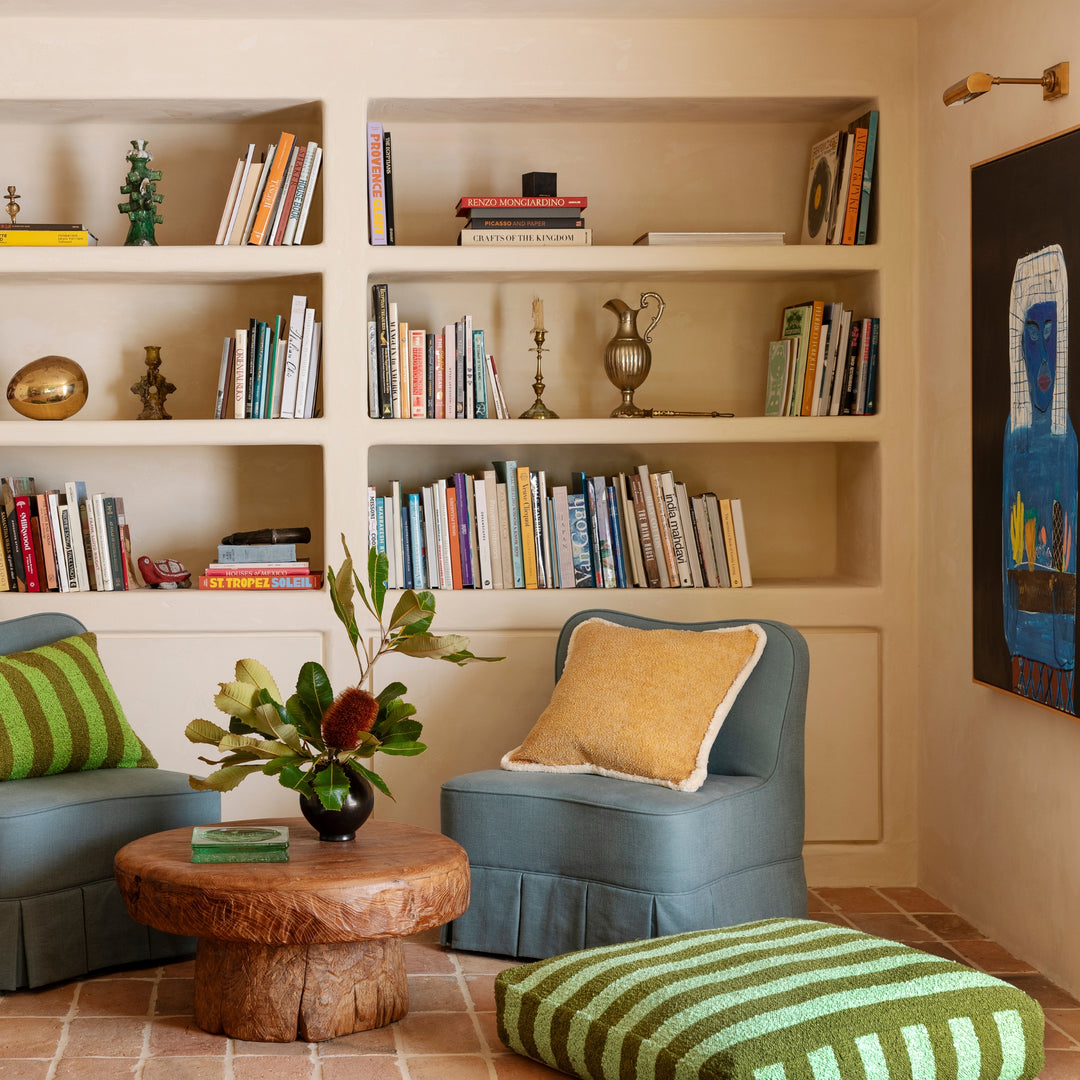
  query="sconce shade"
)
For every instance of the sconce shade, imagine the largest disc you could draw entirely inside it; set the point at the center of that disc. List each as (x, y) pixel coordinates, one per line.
(1054, 81)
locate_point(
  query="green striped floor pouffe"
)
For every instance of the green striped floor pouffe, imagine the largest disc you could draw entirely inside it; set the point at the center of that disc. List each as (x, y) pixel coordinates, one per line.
(782, 999)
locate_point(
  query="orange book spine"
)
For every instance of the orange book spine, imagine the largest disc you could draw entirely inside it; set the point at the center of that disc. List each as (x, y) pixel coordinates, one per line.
(810, 376)
(452, 529)
(273, 186)
(854, 193)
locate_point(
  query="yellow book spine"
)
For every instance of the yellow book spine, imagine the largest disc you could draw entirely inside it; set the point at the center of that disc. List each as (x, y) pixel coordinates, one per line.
(528, 541)
(46, 238)
(730, 548)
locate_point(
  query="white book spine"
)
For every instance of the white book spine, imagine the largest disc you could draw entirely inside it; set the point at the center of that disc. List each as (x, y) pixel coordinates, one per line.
(492, 496)
(223, 375)
(373, 517)
(230, 202)
(395, 360)
(399, 558)
(654, 526)
(233, 213)
(71, 490)
(295, 336)
(470, 376)
(391, 528)
(240, 373)
(301, 224)
(105, 570)
(450, 369)
(483, 535)
(298, 196)
(445, 560)
(373, 371)
(314, 371)
(740, 542)
(431, 533)
(303, 370)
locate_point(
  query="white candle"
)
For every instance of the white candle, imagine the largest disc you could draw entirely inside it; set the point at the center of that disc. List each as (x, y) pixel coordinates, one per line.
(538, 314)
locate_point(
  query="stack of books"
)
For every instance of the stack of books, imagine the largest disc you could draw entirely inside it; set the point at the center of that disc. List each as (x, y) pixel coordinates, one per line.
(63, 541)
(824, 364)
(269, 200)
(239, 843)
(270, 368)
(12, 235)
(525, 220)
(380, 186)
(259, 567)
(505, 529)
(840, 186)
(417, 374)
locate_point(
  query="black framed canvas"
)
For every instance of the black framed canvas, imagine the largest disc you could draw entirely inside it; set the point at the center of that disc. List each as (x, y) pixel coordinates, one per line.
(1025, 245)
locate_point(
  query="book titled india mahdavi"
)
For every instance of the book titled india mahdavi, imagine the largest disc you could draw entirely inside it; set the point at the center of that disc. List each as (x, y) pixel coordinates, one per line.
(526, 237)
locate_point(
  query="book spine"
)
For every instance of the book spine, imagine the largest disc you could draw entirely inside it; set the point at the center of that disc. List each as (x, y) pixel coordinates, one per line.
(262, 176)
(706, 553)
(49, 563)
(285, 203)
(281, 582)
(373, 371)
(604, 546)
(418, 373)
(240, 374)
(258, 569)
(618, 552)
(507, 474)
(740, 543)
(304, 370)
(664, 530)
(380, 298)
(26, 542)
(453, 530)
(535, 222)
(564, 542)
(809, 373)
(537, 499)
(88, 523)
(63, 578)
(862, 228)
(393, 331)
(483, 533)
(676, 530)
(309, 194)
(851, 369)
(230, 201)
(859, 407)
(854, 192)
(298, 195)
(727, 522)
(388, 185)
(406, 548)
(689, 536)
(872, 369)
(432, 539)
(505, 556)
(71, 541)
(482, 411)
(112, 533)
(528, 536)
(464, 533)
(580, 543)
(7, 564)
(416, 539)
(48, 238)
(470, 518)
(403, 407)
(481, 202)
(525, 237)
(446, 560)
(645, 532)
(259, 231)
(376, 185)
(259, 553)
(105, 571)
(429, 375)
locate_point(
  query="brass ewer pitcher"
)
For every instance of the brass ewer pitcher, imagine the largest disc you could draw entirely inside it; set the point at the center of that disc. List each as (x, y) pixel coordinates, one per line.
(627, 356)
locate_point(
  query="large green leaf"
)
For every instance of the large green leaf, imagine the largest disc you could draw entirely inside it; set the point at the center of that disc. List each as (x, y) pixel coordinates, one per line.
(251, 671)
(292, 776)
(276, 765)
(378, 571)
(412, 728)
(263, 747)
(225, 779)
(331, 784)
(314, 689)
(391, 691)
(236, 699)
(413, 612)
(302, 718)
(205, 731)
(278, 719)
(372, 777)
(432, 646)
(404, 749)
(341, 595)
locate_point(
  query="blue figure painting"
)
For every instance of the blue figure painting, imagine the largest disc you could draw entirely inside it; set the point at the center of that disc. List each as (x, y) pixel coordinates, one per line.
(1039, 486)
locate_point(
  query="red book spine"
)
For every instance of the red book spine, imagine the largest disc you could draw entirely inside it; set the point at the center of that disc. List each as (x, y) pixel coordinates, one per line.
(290, 192)
(492, 202)
(26, 542)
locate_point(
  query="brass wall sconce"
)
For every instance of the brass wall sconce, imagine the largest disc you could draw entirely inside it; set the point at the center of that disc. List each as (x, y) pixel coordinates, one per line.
(1054, 81)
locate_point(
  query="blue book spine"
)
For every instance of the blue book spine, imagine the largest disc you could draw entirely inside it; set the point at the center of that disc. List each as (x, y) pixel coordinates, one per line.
(380, 526)
(867, 179)
(479, 380)
(598, 493)
(464, 537)
(406, 549)
(580, 545)
(506, 471)
(416, 539)
(581, 486)
(616, 537)
(257, 390)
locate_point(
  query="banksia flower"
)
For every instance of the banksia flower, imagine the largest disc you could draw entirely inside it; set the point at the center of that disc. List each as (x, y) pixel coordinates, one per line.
(353, 712)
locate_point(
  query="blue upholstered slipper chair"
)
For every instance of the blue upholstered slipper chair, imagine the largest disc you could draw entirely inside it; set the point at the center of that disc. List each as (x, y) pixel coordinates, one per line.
(566, 854)
(61, 914)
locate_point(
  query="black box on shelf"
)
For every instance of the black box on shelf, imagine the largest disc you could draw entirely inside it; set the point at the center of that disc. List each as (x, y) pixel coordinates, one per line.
(539, 183)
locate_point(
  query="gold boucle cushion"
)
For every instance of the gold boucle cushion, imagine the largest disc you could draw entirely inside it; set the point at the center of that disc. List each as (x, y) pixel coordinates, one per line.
(640, 705)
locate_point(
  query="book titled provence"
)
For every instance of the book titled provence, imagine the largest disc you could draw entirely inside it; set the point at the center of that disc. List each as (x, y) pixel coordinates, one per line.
(376, 185)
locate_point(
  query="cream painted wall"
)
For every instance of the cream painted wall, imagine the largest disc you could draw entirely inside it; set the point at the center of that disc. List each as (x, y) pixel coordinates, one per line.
(999, 801)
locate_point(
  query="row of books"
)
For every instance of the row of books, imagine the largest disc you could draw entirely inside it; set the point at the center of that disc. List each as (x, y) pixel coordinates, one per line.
(524, 220)
(65, 235)
(380, 186)
(840, 187)
(418, 374)
(63, 541)
(505, 529)
(259, 568)
(825, 363)
(270, 369)
(269, 200)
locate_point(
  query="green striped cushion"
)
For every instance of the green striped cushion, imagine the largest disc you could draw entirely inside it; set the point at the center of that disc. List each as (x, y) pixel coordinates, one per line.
(782, 999)
(58, 713)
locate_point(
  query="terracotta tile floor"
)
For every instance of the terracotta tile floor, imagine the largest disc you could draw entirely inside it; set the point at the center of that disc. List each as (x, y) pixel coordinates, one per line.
(137, 1024)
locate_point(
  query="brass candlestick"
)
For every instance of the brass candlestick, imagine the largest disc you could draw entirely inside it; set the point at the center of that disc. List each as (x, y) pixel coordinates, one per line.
(538, 410)
(13, 203)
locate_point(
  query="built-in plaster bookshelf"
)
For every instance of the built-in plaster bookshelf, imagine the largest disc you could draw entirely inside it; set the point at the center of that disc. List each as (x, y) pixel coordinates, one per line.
(687, 141)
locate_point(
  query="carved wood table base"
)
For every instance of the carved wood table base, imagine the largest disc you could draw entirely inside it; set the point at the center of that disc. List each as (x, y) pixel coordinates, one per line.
(307, 949)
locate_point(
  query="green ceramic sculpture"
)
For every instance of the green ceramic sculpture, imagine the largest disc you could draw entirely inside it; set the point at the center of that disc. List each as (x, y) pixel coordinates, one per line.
(141, 190)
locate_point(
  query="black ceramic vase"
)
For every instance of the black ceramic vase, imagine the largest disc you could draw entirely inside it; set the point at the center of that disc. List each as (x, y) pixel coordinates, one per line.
(338, 825)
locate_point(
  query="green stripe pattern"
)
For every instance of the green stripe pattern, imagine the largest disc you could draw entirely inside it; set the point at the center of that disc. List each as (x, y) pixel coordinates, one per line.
(59, 713)
(781, 999)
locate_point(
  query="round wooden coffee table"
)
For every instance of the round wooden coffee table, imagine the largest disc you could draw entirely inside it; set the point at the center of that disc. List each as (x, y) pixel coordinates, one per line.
(308, 948)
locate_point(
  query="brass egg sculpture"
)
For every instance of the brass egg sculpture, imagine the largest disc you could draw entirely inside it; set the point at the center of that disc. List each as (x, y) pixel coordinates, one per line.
(49, 388)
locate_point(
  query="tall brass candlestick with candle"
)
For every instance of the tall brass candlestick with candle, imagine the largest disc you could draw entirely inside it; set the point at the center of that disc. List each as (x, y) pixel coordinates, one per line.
(538, 410)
